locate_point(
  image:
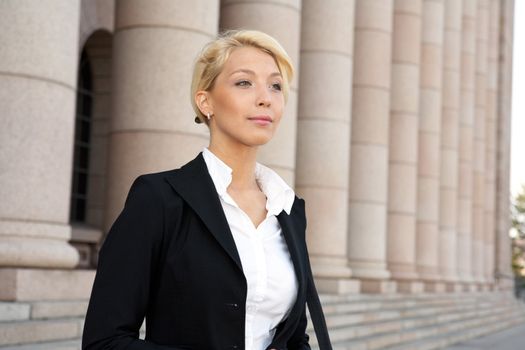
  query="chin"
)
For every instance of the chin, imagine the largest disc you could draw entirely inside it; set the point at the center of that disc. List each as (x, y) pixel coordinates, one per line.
(259, 140)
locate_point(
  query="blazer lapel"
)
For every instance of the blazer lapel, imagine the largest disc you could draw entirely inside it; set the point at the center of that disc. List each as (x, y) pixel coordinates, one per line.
(194, 184)
(289, 228)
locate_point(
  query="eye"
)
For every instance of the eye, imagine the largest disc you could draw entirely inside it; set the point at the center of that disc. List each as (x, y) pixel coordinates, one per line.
(277, 86)
(243, 83)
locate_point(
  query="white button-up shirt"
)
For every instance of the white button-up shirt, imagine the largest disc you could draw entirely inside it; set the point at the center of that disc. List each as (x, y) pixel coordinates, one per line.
(265, 259)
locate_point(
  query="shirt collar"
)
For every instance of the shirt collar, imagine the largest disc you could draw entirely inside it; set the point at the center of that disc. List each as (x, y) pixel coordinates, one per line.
(279, 196)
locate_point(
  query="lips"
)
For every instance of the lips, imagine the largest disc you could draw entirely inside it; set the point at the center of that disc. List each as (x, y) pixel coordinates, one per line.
(261, 119)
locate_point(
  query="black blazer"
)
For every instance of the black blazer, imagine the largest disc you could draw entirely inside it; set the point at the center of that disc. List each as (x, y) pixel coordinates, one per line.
(170, 257)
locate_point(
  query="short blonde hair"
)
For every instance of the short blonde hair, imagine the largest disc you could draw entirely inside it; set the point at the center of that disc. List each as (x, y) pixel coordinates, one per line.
(214, 55)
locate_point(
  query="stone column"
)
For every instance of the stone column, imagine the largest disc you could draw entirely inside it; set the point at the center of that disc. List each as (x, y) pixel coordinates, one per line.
(38, 72)
(466, 122)
(448, 193)
(427, 248)
(323, 137)
(153, 128)
(503, 272)
(490, 136)
(281, 19)
(402, 170)
(369, 147)
(478, 165)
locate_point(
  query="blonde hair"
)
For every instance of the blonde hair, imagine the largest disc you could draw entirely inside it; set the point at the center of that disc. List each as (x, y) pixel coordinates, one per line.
(214, 55)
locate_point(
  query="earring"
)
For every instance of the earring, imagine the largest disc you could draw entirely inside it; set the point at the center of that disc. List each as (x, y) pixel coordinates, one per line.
(208, 116)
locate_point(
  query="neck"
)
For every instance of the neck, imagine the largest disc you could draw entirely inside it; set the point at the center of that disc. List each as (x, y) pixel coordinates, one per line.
(241, 161)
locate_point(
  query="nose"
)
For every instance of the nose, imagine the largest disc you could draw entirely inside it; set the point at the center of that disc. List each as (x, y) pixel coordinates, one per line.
(264, 97)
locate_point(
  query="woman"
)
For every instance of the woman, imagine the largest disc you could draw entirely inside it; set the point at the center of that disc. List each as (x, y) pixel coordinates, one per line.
(213, 254)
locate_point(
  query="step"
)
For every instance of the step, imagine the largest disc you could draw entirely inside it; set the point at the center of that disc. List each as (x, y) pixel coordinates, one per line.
(424, 337)
(14, 311)
(443, 340)
(380, 333)
(58, 309)
(59, 345)
(407, 318)
(25, 332)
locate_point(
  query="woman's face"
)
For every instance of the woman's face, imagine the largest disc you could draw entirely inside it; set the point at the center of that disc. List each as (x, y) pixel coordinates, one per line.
(246, 101)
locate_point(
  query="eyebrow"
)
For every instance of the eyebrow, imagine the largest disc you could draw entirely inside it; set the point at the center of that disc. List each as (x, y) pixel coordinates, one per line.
(248, 71)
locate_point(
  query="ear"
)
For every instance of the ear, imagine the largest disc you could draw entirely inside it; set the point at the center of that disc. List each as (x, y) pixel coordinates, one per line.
(202, 100)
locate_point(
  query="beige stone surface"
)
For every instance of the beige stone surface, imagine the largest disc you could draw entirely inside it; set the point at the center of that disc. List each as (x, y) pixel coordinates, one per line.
(374, 48)
(333, 72)
(429, 154)
(327, 26)
(401, 252)
(448, 210)
(405, 94)
(10, 312)
(428, 206)
(41, 284)
(479, 153)
(27, 42)
(369, 147)
(410, 287)
(36, 186)
(31, 331)
(374, 14)
(197, 16)
(368, 182)
(323, 140)
(323, 149)
(403, 137)
(37, 96)
(490, 138)
(402, 188)
(375, 286)
(338, 286)
(466, 138)
(369, 123)
(36, 252)
(58, 309)
(367, 246)
(427, 251)
(327, 219)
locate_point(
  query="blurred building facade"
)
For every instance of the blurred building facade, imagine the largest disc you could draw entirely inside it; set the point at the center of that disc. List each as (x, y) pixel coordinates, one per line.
(396, 133)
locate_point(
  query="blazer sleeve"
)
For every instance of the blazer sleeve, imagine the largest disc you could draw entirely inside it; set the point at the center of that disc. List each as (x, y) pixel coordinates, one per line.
(299, 339)
(127, 263)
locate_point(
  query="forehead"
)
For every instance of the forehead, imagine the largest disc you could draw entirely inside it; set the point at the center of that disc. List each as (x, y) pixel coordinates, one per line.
(250, 58)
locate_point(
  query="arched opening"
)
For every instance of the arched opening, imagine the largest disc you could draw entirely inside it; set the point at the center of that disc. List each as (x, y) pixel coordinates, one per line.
(90, 147)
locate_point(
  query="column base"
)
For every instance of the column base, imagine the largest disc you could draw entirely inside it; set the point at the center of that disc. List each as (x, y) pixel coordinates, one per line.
(378, 286)
(337, 286)
(435, 287)
(20, 284)
(504, 284)
(454, 287)
(470, 287)
(484, 287)
(410, 287)
(40, 245)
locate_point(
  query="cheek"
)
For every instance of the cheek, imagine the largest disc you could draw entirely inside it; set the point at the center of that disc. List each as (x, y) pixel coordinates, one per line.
(229, 105)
